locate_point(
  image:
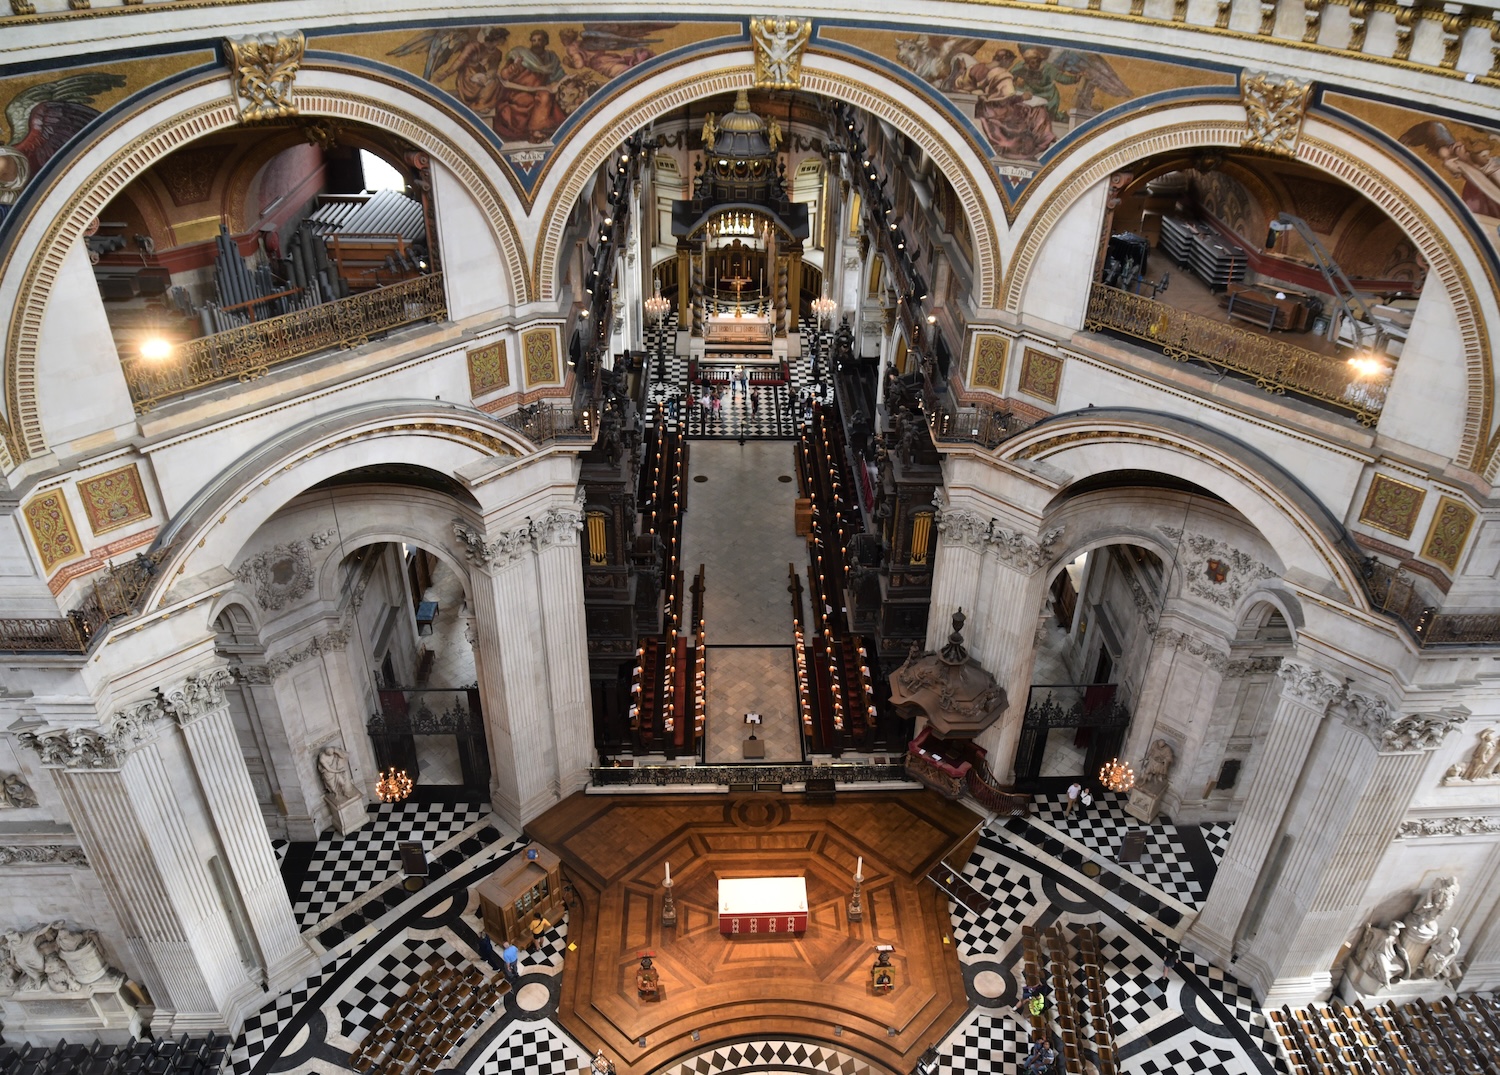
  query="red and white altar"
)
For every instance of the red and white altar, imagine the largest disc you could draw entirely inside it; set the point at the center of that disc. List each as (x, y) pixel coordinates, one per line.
(762, 905)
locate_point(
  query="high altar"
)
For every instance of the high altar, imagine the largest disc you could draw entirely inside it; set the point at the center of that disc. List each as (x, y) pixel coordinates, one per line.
(762, 905)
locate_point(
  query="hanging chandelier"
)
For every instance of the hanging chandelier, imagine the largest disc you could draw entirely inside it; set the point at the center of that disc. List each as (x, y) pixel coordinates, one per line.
(824, 308)
(658, 306)
(1117, 775)
(393, 786)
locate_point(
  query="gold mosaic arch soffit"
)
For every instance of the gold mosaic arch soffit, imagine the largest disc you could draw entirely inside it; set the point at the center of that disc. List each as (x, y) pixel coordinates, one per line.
(1057, 438)
(93, 193)
(1379, 187)
(218, 512)
(664, 100)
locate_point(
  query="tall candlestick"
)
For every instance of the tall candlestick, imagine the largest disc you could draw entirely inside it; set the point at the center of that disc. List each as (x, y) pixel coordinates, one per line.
(669, 871)
(859, 866)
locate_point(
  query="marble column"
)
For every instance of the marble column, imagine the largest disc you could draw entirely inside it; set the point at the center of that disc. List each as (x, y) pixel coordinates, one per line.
(1358, 782)
(129, 791)
(560, 593)
(202, 711)
(1305, 695)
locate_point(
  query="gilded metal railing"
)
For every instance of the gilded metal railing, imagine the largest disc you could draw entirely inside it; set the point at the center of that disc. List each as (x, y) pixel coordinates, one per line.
(986, 426)
(248, 352)
(1274, 365)
(115, 593)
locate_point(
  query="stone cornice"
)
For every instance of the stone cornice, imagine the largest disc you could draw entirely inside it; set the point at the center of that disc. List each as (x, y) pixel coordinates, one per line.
(1193, 646)
(1371, 716)
(281, 663)
(1463, 825)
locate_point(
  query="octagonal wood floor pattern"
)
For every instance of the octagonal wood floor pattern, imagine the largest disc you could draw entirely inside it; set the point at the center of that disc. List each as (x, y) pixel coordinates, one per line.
(736, 988)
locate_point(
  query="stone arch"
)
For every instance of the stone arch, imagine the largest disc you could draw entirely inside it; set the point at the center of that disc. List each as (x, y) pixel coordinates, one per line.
(136, 139)
(1448, 246)
(1298, 529)
(211, 529)
(865, 86)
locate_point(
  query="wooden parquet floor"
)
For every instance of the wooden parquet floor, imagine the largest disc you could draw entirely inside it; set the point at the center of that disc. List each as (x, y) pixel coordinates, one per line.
(730, 989)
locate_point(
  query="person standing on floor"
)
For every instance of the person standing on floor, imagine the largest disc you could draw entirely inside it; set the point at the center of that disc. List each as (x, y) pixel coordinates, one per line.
(755, 403)
(1075, 789)
(1086, 797)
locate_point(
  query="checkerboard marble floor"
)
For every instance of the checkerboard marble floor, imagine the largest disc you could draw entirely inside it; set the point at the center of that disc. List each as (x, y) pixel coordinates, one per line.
(343, 868)
(1180, 861)
(1198, 1021)
(775, 412)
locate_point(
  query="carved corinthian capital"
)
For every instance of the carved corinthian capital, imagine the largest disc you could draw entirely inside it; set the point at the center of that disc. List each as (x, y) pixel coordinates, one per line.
(558, 526)
(1311, 686)
(1020, 551)
(960, 527)
(199, 694)
(73, 748)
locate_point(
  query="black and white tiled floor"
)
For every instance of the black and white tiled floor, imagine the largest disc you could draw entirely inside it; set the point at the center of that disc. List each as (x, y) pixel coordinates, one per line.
(1199, 1021)
(1180, 861)
(343, 868)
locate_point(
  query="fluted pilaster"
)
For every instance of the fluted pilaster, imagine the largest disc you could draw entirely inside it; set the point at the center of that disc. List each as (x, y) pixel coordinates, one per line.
(560, 582)
(216, 756)
(1305, 695)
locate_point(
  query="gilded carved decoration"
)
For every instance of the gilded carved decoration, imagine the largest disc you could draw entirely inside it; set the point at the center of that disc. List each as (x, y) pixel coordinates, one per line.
(1274, 110)
(779, 43)
(1041, 374)
(489, 369)
(1448, 531)
(989, 362)
(113, 500)
(52, 529)
(539, 353)
(265, 67)
(1392, 506)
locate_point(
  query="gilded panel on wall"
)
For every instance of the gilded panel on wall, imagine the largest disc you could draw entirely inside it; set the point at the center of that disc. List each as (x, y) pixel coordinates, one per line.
(1041, 374)
(1392, 506)
(113, 500)
(539, 350)
(52, 530)
(988, 369)
(1022, 97)
(489, 368)
(1450, 528)
(530, 83)
(1459, 153)
(44, 111)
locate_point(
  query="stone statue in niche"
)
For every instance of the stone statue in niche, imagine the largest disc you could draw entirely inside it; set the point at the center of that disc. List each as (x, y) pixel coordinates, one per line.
(1421, 923)
(1483, 761)
(16, 792)
(333, 771)
(1158, 763)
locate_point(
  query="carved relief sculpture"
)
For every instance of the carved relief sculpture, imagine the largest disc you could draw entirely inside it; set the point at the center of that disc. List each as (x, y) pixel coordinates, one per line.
(265, 66)
(1157, 764)
(280, 575)
(1483, 761)
(1274, 110)
(778, 51)
(16, 793)
(1410, 948)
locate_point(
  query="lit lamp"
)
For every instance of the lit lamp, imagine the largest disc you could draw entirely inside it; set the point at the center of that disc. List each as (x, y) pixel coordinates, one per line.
(393, 786)
(823, 309)
(1117, 776)
(155, 348)
(658, 306)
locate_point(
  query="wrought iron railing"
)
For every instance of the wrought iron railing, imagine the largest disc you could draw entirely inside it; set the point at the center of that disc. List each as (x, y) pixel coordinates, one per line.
(1273, 364)
(724, 775)
(424, 711)
(1393, 590)
(114, 594)
(248, 352)
(986, 426)
(545, 422)
(1075, 705)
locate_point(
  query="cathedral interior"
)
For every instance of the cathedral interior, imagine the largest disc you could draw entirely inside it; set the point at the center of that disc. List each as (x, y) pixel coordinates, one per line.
(791, 541)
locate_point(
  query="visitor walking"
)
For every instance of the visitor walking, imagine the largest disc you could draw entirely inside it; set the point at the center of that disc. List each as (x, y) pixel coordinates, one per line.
(1086, 797)
(1075, 789)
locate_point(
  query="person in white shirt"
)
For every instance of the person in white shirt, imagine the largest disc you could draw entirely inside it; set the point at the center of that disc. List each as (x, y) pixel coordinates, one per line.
(1074, 790)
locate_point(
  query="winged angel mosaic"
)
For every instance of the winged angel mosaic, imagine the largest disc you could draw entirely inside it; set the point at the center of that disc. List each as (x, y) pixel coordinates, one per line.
(41, 120)
(526, 90)
(1015, 98)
